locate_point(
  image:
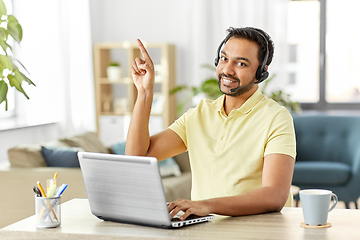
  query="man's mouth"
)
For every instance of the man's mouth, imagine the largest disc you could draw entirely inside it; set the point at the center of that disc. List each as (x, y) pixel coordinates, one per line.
(229, 81)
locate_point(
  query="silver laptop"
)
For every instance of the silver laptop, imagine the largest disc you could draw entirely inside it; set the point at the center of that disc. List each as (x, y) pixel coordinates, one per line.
(128, 189)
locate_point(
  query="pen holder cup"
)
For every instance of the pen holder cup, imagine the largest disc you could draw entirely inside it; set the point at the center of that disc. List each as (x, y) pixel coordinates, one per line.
(47, 212)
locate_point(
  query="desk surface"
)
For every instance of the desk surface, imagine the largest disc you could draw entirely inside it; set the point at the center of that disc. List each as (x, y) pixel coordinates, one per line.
(79, 223)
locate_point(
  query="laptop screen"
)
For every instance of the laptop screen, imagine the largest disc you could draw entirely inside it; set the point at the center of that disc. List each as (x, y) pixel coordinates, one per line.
(124, 188)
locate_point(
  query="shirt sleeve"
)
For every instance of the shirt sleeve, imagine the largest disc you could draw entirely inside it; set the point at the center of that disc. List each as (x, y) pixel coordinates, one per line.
(281, 137)
(179, 127)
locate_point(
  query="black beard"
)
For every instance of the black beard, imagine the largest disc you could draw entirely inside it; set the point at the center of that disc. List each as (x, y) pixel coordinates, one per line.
(237, 92)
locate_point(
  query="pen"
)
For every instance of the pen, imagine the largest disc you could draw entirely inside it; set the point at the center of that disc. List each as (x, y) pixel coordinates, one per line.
(61, 190)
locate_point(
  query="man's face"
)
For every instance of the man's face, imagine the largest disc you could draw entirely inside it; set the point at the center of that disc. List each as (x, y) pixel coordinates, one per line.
(237, 66)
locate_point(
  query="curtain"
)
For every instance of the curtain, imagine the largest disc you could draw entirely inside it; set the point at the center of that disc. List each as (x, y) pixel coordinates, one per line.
(57, 51)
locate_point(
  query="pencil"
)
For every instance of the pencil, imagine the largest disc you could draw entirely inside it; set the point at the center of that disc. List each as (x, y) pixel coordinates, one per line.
(41, 189)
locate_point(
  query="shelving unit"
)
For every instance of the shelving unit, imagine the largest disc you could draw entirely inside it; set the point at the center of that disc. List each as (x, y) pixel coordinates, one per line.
(115, 99)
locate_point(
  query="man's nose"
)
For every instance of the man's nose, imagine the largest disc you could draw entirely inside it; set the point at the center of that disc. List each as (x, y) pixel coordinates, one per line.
(228, 69)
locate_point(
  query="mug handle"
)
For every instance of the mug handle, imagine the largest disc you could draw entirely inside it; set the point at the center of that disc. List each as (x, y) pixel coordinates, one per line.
(335, 198)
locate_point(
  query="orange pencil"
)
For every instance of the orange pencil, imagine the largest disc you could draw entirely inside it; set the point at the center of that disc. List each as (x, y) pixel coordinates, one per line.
(41, 189)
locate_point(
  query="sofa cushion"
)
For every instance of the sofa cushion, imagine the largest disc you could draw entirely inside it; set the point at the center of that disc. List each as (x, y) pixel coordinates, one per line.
(167, 167)
(177, 187)
(29, 155)
(26, 155)
(87, 141)
(61, 157)
(321, 173)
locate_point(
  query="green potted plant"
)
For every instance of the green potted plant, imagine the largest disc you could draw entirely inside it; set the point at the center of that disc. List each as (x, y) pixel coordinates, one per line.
(210, 89)
(114, 71)
(280, 97)
(207, 89)
(9, 66)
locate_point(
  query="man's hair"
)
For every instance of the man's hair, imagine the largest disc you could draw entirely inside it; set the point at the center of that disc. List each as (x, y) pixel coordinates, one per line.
(254, 34)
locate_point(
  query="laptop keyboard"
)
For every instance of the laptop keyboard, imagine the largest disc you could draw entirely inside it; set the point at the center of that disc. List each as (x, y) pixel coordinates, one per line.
(190, 217)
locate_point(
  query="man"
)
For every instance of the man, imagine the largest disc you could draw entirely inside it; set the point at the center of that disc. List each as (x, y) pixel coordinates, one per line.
(241, 146)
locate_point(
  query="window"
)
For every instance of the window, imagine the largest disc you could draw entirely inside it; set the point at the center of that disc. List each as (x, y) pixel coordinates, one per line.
(303, 50)
(342, 51)
(323, 53)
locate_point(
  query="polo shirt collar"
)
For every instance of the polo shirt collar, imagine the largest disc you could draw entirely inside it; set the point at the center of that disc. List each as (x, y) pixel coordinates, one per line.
(218, 104)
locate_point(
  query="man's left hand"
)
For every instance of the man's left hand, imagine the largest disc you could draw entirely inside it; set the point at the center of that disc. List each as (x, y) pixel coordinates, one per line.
(199, 208)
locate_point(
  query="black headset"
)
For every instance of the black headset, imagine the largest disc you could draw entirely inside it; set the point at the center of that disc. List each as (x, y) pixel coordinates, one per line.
(261, 72)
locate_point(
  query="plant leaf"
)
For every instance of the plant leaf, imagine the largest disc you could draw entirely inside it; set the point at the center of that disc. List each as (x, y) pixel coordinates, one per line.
(177, 89)
(27, 79)
(5, 63)
(15, 81)
(22, 65)
(3, 91)
(211, 88)
(4, 34)
(3, 10)
(3, 45)
(195, 90)
(14, 28)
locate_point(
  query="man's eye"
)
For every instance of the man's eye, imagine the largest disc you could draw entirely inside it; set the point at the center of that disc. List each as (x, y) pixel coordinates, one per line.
(241, 64)
(223, 58)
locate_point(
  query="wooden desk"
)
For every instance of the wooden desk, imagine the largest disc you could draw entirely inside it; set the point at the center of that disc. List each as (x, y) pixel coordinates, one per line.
(79, 223)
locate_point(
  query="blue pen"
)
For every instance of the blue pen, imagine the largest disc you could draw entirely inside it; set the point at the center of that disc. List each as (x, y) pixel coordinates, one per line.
(61, 190)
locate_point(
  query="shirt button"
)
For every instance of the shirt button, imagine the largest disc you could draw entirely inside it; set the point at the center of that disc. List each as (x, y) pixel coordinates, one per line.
(223, 139)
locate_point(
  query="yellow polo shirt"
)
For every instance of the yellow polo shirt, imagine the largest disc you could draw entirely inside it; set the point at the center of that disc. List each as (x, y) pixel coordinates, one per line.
(227, 152)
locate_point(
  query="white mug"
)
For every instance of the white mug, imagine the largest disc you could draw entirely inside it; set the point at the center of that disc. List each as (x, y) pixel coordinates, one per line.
(316, 205)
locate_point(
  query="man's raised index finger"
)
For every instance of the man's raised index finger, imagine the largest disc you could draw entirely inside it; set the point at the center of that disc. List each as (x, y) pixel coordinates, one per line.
(143, 50)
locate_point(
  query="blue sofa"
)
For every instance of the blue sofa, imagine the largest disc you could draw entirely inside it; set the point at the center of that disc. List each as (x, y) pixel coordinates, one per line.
(328, 155)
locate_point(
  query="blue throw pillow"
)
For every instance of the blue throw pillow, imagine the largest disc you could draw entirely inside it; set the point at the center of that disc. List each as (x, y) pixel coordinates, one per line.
(168, 167)
(60, 157)
(118, 148)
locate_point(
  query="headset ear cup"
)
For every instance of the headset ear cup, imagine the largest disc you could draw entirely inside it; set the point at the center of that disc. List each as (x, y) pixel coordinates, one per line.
(264, 75)
(216, 62)
(261, 74)
(258, 73)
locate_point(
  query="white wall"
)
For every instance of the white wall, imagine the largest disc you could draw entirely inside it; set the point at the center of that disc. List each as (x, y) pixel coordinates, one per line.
(196, 27)
(152, 21)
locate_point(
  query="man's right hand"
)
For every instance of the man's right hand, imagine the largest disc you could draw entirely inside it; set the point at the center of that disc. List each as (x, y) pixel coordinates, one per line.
(142, 71)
